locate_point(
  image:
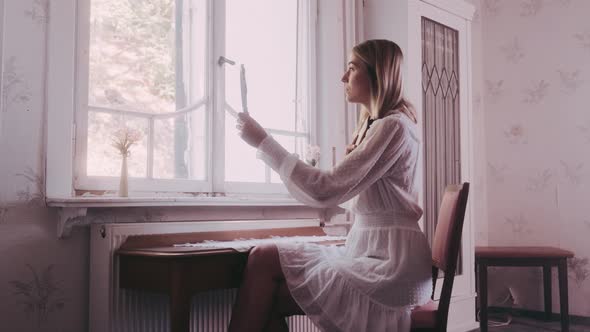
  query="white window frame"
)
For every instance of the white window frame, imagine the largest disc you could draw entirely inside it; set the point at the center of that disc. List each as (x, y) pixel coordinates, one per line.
(84, 182)
(66, 79)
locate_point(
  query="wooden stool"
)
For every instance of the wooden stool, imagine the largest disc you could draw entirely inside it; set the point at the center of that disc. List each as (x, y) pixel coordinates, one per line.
(545, 257)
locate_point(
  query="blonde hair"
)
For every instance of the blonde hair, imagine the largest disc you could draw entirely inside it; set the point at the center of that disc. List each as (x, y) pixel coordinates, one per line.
(382, 59)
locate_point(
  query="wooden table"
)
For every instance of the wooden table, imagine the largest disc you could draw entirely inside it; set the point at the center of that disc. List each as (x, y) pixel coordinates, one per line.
(152, 263)
(545, 257)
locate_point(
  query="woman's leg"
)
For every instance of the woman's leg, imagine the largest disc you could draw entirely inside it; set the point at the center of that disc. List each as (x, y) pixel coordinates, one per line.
(258, 291)
(284, 306)
(277, 324)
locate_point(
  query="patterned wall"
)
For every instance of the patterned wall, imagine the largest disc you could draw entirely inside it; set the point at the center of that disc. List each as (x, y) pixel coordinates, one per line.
(536, 70)
(44, 281)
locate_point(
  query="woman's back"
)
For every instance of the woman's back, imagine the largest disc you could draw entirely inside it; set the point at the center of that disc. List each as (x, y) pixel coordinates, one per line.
(396, 192)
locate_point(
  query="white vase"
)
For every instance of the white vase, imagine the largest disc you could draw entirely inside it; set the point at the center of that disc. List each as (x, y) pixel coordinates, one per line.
(123, 182)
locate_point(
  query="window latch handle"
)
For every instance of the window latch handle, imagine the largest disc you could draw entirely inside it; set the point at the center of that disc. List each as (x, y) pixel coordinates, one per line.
(223, 60)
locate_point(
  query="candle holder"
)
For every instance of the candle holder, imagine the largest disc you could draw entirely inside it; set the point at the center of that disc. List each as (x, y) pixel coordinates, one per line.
(312, 155)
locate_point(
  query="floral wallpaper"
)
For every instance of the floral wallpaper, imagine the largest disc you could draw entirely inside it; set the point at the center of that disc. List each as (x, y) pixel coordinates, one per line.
(537, 125)
(44, 281)
(39, 295)
(14, 88)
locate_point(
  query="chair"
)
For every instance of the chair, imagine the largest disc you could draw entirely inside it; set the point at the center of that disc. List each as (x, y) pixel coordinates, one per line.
(445, 251)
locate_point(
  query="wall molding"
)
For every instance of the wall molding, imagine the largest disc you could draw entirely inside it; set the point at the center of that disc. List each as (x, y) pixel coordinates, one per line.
(459, 8)
(539, 315)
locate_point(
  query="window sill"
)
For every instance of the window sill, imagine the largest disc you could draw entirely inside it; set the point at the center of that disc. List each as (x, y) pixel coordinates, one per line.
(72, 211)
(101, 201)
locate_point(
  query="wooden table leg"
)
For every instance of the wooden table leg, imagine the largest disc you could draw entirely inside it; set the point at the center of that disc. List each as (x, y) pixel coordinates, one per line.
(483, 296)
(180, 300)
(563, 295)
(547, 290)
(476, 266)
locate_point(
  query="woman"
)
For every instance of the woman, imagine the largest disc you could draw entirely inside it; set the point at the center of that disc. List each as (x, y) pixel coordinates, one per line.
(384, 269)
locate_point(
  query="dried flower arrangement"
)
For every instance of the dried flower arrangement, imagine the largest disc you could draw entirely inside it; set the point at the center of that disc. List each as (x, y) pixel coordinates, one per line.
(123, 139)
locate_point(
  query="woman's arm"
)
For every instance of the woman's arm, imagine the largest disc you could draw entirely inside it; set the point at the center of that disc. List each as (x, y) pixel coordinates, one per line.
(385, 143)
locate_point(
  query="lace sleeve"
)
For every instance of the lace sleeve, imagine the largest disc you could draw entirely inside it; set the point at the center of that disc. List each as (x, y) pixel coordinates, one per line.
(386, 141)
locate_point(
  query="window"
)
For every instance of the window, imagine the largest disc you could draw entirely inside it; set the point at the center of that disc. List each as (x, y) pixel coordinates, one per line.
(169, 70)
(441, 118)
(441, 115)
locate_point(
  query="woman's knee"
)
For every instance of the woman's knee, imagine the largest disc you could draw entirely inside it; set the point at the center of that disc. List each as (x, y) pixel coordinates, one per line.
(265, 258)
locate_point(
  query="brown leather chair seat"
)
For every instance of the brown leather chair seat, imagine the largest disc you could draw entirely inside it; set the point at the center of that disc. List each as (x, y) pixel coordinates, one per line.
(424, 316)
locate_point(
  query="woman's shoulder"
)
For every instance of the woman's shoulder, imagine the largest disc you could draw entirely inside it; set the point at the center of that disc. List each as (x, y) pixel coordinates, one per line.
(397, 119)
(398, 122)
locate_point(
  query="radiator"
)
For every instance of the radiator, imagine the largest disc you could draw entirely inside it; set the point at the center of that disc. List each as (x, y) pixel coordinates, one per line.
(119, 310)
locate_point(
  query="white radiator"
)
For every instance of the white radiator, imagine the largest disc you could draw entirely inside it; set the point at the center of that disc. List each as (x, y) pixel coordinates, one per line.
(118, 310)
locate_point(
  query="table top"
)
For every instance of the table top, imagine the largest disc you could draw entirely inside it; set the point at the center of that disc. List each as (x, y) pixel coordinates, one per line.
(163, 245)
(521, 252)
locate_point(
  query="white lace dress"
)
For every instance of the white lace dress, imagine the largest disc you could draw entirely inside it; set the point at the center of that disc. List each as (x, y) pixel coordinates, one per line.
(372, 282)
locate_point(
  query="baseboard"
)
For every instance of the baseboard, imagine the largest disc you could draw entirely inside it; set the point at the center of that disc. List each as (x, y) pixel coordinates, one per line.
(467, 326)
(539, 315)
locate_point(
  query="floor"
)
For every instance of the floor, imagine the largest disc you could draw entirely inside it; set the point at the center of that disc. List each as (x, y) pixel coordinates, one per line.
(522, 324)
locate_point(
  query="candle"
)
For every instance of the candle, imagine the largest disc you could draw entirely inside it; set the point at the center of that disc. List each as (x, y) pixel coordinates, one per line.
(244, 89)
(333, 156)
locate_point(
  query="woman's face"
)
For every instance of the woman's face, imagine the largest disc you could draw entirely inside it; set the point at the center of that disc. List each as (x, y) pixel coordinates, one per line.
(356, 82)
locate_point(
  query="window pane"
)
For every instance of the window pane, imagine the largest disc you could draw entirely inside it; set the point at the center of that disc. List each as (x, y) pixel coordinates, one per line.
(267, 46)
(293, 145)
(103, 158)
(441, 110)
(176, 154)
(241, 164)
(132, 55)
(149, 56)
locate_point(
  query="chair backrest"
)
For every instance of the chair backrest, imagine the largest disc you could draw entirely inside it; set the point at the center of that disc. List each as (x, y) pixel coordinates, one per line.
(446, 245)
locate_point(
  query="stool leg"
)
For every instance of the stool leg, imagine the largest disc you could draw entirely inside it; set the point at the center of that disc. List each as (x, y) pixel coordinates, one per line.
(476, 285)
(563, 295)
(547, 290)
(483, 297)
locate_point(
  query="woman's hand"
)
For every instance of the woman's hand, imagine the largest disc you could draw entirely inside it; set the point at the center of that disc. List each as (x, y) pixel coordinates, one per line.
(349, 148)
(250, 130)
